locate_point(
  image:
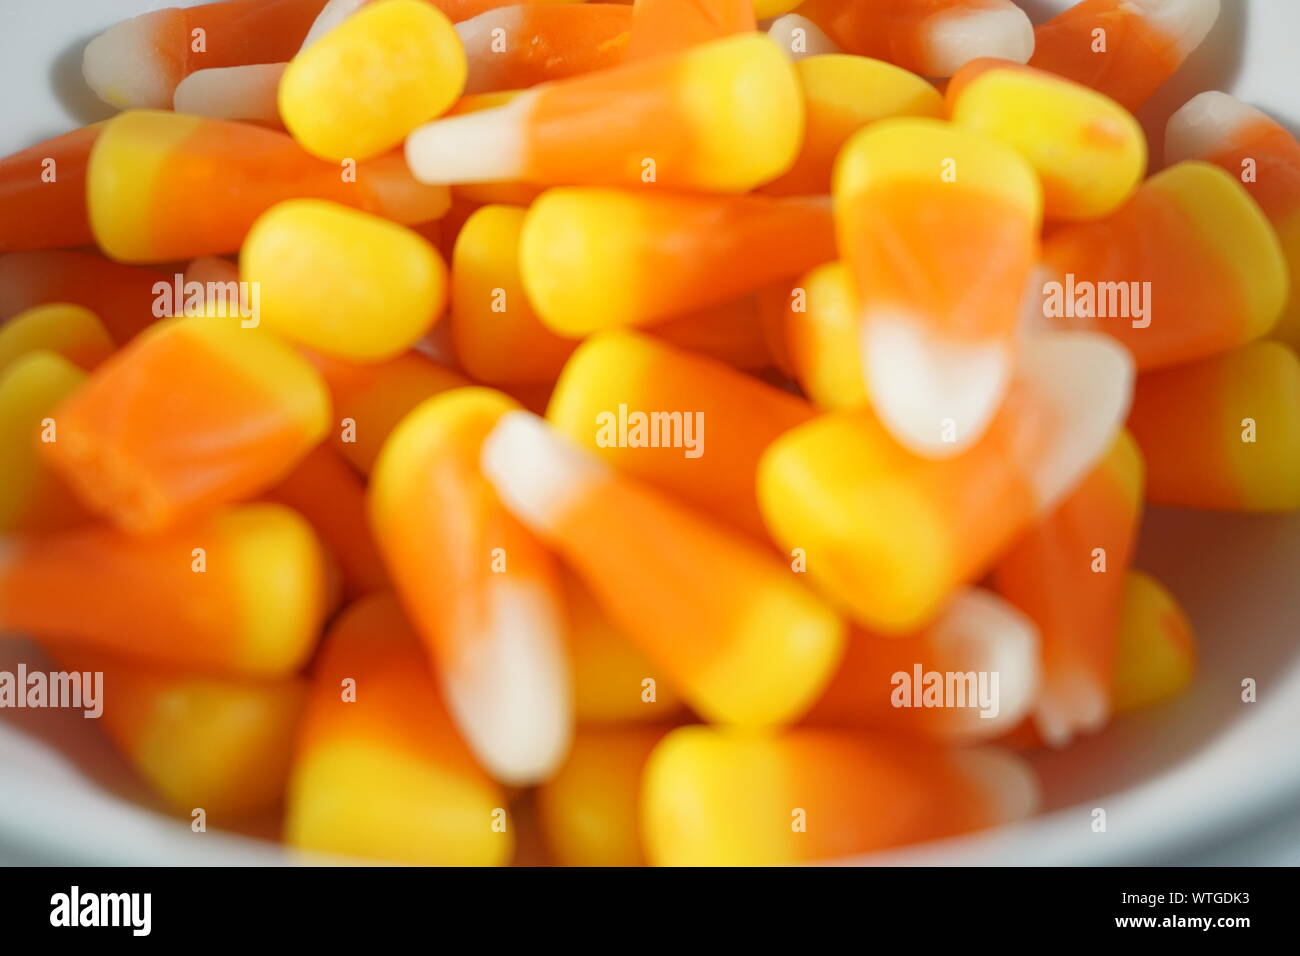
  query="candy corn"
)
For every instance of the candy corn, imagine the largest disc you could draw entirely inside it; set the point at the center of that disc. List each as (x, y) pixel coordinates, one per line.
(411, 66)
(740, 637)
(613, 682)
(969, 676)
(930, 37)
(1264, 156)
(590, 810)
(724, 797)
(723, 116)
(841, 95)
(379, 769)
(1088, 152)
(215, 744)
(1156, 657)
(138, 62)
(43, 193)
(939, 228)
(1123, 48)
(33, 498)
(1223, 432)
(1187, 268)
(194, 414)
(601, 258)
(684, 424)
(891, 535)
(243, 592)
(816, 331)
(1067, 574)
(343, 282)
(163, 186)
(513, 47)
(68, 330)
(480, 590)
(497, 336)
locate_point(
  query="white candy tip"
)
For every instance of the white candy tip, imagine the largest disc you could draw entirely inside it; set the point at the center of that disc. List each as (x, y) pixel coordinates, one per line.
(1186, 22)
(1206, 124)
(956, 38)
(1069, 705)
(536, 471)
(121, 67)
(509, 689)
(936, 398)
(981, 631)
(481, 147)
(799, 37)
(232, 93)
(1086, 379)
(1009, 786)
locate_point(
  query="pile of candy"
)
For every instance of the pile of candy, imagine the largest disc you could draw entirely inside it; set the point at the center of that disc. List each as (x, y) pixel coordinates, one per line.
(716, 428)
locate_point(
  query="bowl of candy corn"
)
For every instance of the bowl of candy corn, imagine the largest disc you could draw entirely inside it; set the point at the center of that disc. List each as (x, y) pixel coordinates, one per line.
(679, 432)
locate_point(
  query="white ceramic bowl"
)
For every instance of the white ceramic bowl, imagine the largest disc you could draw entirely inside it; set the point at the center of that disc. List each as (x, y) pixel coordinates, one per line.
(1197, 775)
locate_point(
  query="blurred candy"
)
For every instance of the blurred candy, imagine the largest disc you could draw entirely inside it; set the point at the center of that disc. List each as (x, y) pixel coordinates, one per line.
(1264, 156)
(667, 26)
(682, 423)
(1067, 574)
(1223, 432)
(590, 810)
(248, 93)
(1187, 268)
(165, 186)
(1123, 48)
(817, 333)
(358, 90)
(71, 331)
(930, 37)
(32, 497)
(482, 593)
(194, 414)
(841, 95)
(517, 46)
(379, 770)
(613, 682)
(969, 676)
(724, 797)
(600, 258)
(497, 336)
(891, 535)
(329, 494)
(243, 592)
(939, 228)
(43, 193)
(741, 639)
(343, 282)
(138, 62)
(1156, 658)
(1089, 152)
(123, 297)
(370, 399)
(723, 116)
(201, 742)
